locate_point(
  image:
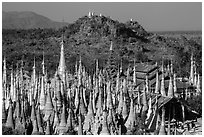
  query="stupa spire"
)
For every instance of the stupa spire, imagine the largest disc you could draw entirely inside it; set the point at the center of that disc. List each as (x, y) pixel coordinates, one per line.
(35, 127)
(105, 130)
(43, 62)
(149, 108)
(162, 130)
(39, 119)
(162, 89)
(198, 84)
(131, 118)
(17, 109)
(42, 94)
(170, 90)
(174, 83)
(63, 124)
(69, 119)
(33, 112)
(125, 109)
(49, 105)
(12, 89)
(147, 84)
(4, 114)
(191, 78)
(90, 115)
(157, 86)
(4, 79)
(10, 120)
(62, 66)
(134, 74)
(48, 132)
(144, 101)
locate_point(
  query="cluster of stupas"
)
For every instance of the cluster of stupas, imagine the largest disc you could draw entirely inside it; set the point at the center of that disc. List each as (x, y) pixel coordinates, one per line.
(194, 78)
(86, 105)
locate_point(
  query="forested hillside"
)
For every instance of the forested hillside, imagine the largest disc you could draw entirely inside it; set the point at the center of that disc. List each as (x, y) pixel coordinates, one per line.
(91, 38)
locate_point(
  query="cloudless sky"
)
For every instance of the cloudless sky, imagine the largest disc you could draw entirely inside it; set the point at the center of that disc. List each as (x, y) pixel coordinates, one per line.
(156, 16)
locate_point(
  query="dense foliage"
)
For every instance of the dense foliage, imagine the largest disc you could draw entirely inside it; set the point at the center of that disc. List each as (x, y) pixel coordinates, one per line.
(91, 38)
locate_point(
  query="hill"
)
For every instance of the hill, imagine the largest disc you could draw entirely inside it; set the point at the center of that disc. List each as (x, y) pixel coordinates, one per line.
(27, 20)
(90, 37)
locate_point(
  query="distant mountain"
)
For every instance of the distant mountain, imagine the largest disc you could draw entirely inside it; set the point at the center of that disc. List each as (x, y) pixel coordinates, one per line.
(27, 20)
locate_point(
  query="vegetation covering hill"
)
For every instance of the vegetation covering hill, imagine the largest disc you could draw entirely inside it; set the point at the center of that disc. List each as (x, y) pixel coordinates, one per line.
(27, 20)
(91, 38)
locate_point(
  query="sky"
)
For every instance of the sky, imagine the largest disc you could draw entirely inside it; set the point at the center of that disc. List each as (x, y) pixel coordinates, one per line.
(156, 16)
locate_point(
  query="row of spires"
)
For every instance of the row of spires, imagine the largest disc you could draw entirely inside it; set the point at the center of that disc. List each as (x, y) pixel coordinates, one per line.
(63, 108)
(194, 78)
